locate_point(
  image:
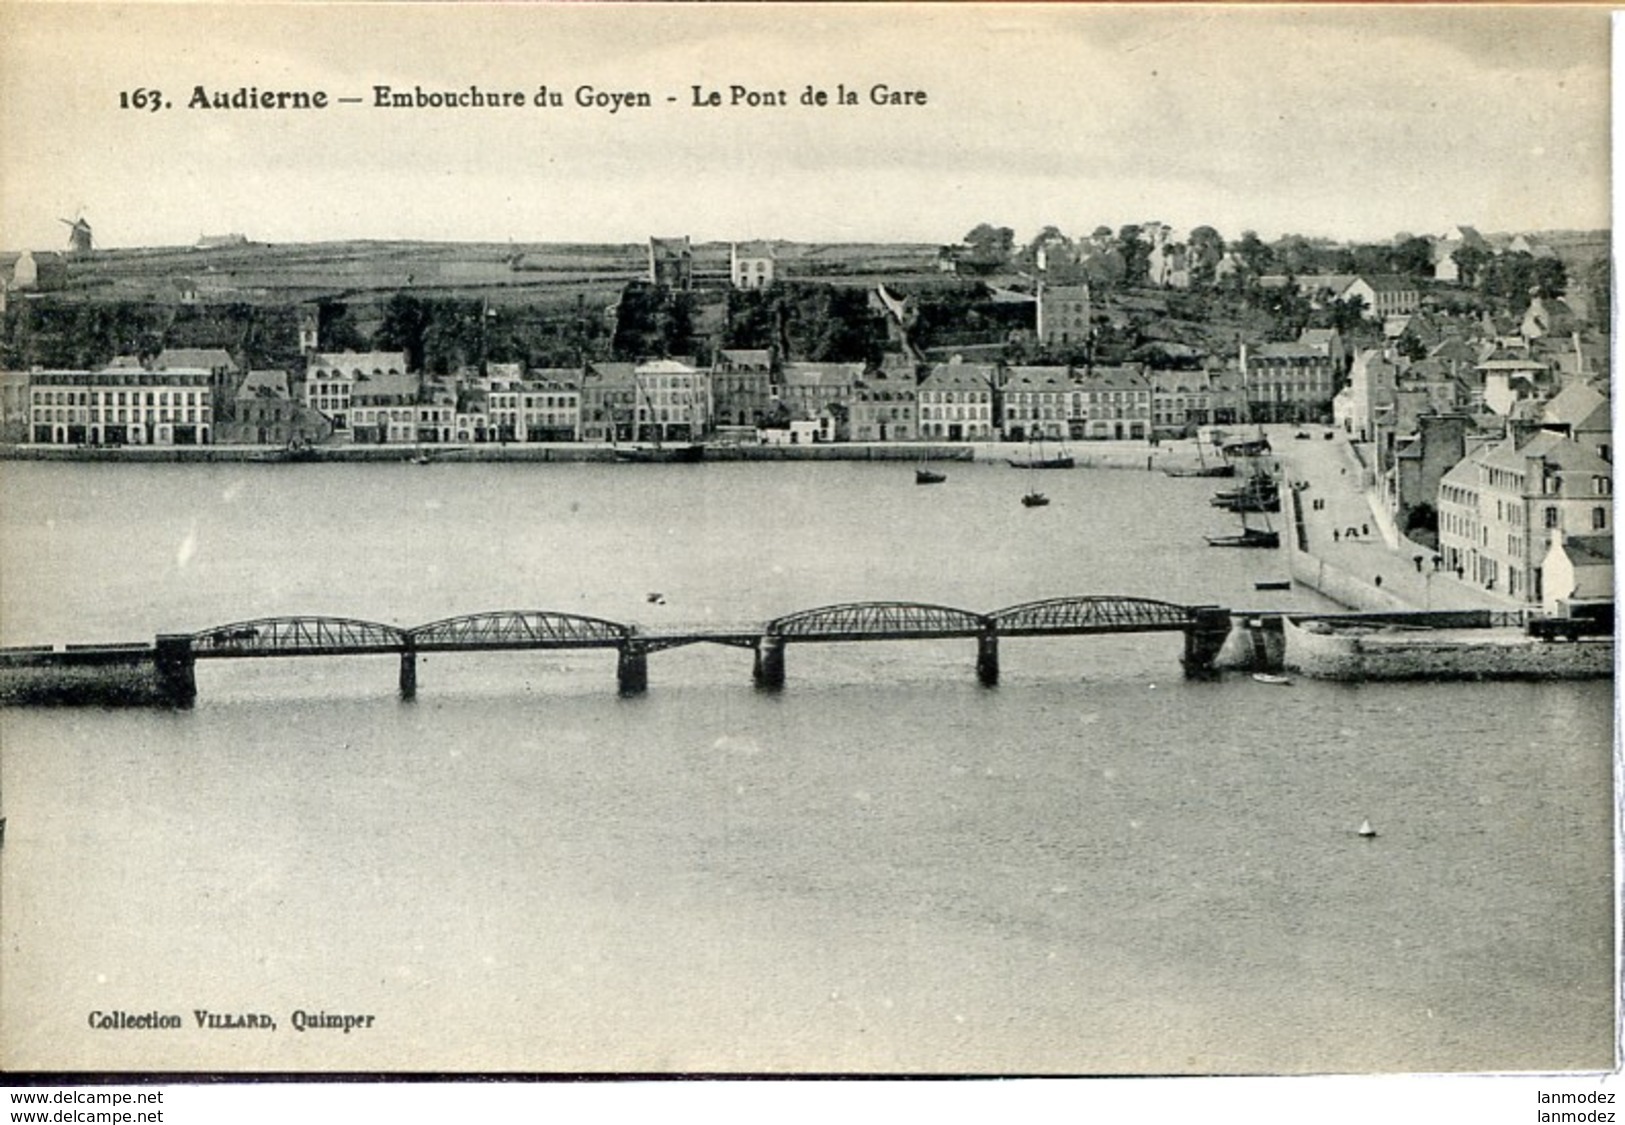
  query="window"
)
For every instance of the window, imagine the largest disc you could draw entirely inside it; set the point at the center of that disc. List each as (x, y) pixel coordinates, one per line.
(1599, 519)
(1550, 518)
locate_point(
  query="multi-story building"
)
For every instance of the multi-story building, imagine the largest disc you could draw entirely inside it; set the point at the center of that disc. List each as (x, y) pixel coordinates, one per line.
(13, 406)
(1384, 295)
(1038, 403)
(436, 415)
(331, 377)
(473, 419)
(671, 262)
(123, 404)
(1500, 507)
(741, 386)
(1183, 400)
(609, 396)
(884, 406)
(383, 409)
(673, 401)
(956, 402)
(1117, 403)
(815, 390)
(751, 265)
(550, 405)
(1063, 316)
(1288, 382)
(266, 413)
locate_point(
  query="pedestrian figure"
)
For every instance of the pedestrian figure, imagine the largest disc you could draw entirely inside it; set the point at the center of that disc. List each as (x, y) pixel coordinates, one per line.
(1334, 535)
(1378, 581)
(1418, 560)
(1437, 559)
(1365, 529)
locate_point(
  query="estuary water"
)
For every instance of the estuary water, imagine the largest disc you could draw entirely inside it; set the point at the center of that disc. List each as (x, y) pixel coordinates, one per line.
(1095, 868)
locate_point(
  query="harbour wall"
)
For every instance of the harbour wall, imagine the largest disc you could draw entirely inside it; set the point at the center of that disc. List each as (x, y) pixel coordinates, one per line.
(1333, 653)
(101, 675)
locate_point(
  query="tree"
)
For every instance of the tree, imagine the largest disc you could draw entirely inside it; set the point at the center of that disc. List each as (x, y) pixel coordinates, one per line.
(406, 322)
(1348, 313)
(990, 248)
(1136, 253)
(1257, 257)
(1206, 252)
(1413, 258)
(1470, 262)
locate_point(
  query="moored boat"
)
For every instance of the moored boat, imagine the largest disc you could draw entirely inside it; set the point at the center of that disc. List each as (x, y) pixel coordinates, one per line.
(1249, 537)
(1035, 500)
(683, 453)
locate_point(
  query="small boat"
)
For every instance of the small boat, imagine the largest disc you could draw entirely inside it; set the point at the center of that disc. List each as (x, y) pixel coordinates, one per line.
(923, 475)
(1035, 500)
(1272, 678)
(1040, 460)
(1273, 584)
(1249, 537)
(1367, 831)
(661, 454)
(1202, 468)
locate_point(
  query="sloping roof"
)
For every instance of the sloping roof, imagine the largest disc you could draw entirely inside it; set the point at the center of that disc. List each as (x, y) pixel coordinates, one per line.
(670, 247)
(1116, 379)
(754, 250)
(556, 377)
(1285, 350)
(821, 374)
(610, 375)
(393, 386)
(207, 358)
(1321, 339)
(268, 383)
(1573, 405)
(664, 367)
(1589, 550)
(1553, 448)
(1039, 379)
(747, 357)
(1388, 283)
(960, 376)
(362, 362)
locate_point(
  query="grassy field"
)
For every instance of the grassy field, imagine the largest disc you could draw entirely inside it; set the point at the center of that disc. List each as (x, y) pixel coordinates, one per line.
(502, 272)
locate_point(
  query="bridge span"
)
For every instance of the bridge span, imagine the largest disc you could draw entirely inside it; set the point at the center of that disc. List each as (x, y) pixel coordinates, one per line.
(168, 667)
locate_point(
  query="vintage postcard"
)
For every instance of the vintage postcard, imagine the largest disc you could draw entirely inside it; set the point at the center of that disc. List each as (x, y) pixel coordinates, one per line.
(785, 540)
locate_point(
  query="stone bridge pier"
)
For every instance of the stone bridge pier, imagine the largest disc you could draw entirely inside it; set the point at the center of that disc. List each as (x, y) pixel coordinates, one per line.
(1204, 637)
(768, 672)
(177, 669)
(632, 668)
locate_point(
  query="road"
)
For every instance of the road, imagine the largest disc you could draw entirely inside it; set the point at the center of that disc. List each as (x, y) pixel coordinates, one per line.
(1335, 475)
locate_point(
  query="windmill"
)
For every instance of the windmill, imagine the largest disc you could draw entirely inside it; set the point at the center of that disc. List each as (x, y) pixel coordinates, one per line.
(78, 234)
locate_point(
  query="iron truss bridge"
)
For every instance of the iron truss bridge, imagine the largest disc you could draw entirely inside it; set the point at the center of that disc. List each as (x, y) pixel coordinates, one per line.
(532, 629)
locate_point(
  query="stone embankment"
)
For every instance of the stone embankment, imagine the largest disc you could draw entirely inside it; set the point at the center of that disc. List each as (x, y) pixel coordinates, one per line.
(1340, 541)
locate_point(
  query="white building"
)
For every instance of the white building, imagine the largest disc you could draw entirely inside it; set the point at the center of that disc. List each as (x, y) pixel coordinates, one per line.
(121, 405)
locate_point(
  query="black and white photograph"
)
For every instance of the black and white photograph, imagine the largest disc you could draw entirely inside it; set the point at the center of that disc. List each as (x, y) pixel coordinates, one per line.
(925, 541)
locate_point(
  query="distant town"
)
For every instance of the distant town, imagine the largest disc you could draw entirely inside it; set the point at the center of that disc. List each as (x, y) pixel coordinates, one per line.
(1473, 368)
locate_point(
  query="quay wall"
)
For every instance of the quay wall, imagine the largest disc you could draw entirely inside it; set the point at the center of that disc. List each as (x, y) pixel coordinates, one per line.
(563, 452)
(1341, 585)
(109, 676)
(1324, 652)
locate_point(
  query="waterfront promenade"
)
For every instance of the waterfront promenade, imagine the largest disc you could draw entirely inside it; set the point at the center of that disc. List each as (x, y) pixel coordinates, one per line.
(1337, 473)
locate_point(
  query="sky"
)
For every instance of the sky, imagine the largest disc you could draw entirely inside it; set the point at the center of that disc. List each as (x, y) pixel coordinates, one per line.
(1347, 123)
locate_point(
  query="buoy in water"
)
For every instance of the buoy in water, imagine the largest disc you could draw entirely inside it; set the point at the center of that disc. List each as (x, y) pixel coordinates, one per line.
(1367, 831)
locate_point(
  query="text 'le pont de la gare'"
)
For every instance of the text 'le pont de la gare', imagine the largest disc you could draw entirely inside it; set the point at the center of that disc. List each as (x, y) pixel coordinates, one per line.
(148, 99)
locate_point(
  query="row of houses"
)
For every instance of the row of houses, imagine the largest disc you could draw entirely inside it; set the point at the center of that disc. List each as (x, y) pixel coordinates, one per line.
(199, 396)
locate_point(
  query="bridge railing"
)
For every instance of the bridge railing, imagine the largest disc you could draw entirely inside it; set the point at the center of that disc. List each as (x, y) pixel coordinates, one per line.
(298, 636)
